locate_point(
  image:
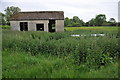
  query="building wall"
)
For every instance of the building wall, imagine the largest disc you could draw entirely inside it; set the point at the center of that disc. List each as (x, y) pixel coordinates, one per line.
(59, 25)
(15, 25)
(32, 25)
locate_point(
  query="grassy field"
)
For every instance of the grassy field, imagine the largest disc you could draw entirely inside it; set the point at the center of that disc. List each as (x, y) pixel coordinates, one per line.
(5, 26)
(21, 65)
(103, 28)
(60, 55)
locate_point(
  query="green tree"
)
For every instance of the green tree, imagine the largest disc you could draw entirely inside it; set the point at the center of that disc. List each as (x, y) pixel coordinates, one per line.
(67, 21)
(118, 24)
(92, 22)
(76, 19)
(2, 19)
(10, 11)
(87, 24)
(112, 22)
(100, 19)
(82, 22)
(77, 22)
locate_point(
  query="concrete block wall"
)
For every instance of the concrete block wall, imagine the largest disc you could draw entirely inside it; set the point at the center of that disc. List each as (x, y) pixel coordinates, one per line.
(15, 25)
(59, 25)
(32, 24)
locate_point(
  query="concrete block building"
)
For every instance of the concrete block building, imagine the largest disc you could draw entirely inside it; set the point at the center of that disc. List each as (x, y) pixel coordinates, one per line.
(49, 21)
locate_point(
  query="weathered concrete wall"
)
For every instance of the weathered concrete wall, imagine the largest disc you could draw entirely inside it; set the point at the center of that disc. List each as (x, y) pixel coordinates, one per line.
(15, 25)
(31, 26)
(45, 22)
(59, 25)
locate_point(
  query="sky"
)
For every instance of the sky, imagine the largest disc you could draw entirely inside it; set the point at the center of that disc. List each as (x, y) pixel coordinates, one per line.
(84, 9)
(119, 11)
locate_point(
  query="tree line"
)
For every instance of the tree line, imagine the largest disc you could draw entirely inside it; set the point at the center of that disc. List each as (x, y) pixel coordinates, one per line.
(99, 20)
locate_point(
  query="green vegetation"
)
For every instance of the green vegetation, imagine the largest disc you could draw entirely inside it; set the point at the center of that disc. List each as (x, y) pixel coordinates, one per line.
(0, 53)
(60, 55)
(5, 26)
(99, 20)
(9, 12)
(102, 28)
(21, 65)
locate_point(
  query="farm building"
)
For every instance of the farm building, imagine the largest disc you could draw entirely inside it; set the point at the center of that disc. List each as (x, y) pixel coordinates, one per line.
(49, 21)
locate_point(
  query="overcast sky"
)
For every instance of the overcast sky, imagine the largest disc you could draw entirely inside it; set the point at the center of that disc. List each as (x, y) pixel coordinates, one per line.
(84, 9)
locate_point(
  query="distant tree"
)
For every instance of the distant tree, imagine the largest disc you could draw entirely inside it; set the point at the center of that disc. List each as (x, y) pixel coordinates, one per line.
(82, 22)
(87, 24)
(112, 22)
(106, 23)
(67, 21)
(77, 22)
(71, 23)
(10, 11)
(92, 22)
(76, 19)
(118, 24)
(2, 19)
(100, 19)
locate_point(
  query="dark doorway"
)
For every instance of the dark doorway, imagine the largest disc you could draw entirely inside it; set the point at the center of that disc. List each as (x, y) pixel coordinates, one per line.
(39, 27)
(23, 26)
(51, 25)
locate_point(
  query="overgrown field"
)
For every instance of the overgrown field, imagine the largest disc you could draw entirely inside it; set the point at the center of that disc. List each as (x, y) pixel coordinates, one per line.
(104, 28)
(60, 55)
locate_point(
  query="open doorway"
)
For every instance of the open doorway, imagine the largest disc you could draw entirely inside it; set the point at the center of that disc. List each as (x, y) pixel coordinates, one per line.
(39, 27)
(23, 26)
(51, 25)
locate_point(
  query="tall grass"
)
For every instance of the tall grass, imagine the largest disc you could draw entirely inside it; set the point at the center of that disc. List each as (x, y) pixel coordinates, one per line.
(21, 65)
(59, 55)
